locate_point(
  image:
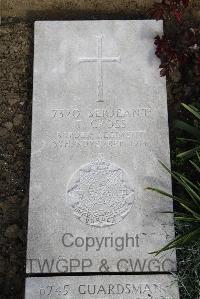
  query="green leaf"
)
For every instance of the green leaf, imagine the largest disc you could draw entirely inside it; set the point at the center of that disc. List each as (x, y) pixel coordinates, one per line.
(187, 128)
(195, 214)
(195, 166)
(192, 109)
(185, 203)
(188, 181)
(188, 140)
(192, 193)
(179, 178)
(198, 156)
(179, 241)
(187, 219)
(189, 153)
(174, 174)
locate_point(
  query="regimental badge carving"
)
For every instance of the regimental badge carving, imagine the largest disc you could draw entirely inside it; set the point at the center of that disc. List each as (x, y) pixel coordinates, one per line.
(99, 193)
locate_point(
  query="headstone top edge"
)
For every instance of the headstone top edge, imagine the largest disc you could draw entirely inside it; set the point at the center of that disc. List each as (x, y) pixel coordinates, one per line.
(127, 275)
(142, 21)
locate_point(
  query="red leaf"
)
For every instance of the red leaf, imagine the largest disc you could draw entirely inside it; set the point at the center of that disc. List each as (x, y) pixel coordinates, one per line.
(157, 11)
(164, 72)
(198, 62)
(183, 58)
(178, 15)
(185, 2)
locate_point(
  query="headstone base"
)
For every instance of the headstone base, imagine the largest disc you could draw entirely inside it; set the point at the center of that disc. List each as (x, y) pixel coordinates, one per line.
(103, 286)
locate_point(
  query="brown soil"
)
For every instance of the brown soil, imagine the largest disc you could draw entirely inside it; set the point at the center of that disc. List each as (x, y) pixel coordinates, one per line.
(12, 7)
(71, 8)
(15, 114)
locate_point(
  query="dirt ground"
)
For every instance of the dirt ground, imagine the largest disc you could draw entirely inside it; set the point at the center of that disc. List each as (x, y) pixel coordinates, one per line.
(71, 8)
(12, 7)
(15, 115)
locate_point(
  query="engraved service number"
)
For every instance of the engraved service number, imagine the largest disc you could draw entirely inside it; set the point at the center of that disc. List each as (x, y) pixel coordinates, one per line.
(51, 290)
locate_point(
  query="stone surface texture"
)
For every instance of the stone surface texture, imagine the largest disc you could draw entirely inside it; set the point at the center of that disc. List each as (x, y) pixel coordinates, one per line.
(99, 127)
(105, 287)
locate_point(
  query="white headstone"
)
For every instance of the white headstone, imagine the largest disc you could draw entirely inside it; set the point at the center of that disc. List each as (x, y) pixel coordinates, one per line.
(103, 287)
(100, 125)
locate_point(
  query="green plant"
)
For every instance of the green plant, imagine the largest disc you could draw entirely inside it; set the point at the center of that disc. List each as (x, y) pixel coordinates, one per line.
(190, 207)
(188, 267)
(192, 130)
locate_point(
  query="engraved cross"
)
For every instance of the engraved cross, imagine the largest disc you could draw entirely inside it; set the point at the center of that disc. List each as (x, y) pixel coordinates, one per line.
(99, 59)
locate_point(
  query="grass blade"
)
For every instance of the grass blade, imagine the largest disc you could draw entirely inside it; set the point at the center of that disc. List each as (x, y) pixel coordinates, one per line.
(185, 203)
(189, 153)
(195, 166)
(179, 241)
(192, 109)
(187, 128)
